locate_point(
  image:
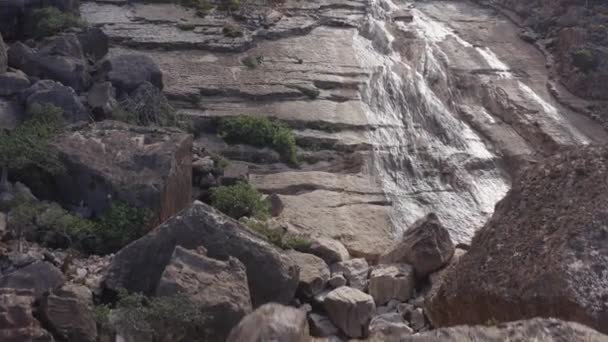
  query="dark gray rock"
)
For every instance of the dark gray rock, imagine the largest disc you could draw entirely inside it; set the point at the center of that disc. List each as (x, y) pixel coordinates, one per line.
(39, 277)
(321, 326)
(3, 56)
(95, 43)
(272, 322)
(127, 72)
(68, 312)
(17, 322)
(13, 82)
(49, 92)
(11, 113)
(102, 99)
(218, 287)
(271, 275)
(16, 16)
(60, 59)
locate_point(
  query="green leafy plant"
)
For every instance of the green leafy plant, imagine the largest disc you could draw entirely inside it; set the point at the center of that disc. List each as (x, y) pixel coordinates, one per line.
(261, 132)
(119, 225)
(252, 62)
(277, 236)
(239, 200)
(49, 21)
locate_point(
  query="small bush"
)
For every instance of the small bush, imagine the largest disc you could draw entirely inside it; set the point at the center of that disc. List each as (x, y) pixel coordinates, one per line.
(261, 132)
(49, 21)
(252, 62)
(147, 106)
(173, 318)
(119, 225)
(296, 242)
(239, 200)
(277, 236)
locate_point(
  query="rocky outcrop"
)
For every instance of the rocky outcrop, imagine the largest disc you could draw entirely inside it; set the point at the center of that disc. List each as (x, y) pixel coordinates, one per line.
(54, 93)
(17, 322)
(542, 253)
(387, 282)
(217, 287)
(549, 330)
(272, 322)
(12, 82)
(39, 277)
(314, 273)
(350, 310)
(111, 161)
(68, 312)
(127, 72)
(271, 275)
(427, 246)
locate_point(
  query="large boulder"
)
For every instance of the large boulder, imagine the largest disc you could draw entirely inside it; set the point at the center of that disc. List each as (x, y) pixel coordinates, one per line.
(314, 273)
(13, 82)
(350, 310)
(112, 161)
(39, 277)
(354, 270)
(427, 246)
(3, 56)
(95, 43)
(388, 282)
(537, 329)
(17, 322)
(272, 322)
(102, 99)
(68, 312)
(218, 287)
(543, 253)
(328, 249)
(127, 72)
(50, 92)
(272, 276)
(60, 59)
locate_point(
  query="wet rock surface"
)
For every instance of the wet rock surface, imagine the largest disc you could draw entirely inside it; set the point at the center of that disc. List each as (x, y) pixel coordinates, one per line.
(541, 254)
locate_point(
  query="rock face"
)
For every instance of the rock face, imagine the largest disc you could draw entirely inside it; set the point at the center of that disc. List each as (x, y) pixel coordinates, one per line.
(272, 276)
(314, 273)
(350, 310)
(50, 92)
(3, 56)
(145, 167)
(12, 83)
(127, 72)
(219, 287)
(272, 322)
(427, 246)
(17, 323)
(537, 329)
(541, 254)
(387, 282)
(69, 311)
(39, 277)
(354, 270)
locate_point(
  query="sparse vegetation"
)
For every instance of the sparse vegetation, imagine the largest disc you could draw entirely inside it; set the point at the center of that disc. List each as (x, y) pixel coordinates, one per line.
(49, 21)
(239, 200)
(230, 5)
(148, 106)
(119, 225)
(261, 132)
(584, 59)
(276, 236)
(252, 62)
(232, 31)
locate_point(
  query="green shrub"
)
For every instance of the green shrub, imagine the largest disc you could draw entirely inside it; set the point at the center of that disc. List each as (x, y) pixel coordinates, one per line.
(49, 21)
(252, 62)
(298, 243)
(147, 106)
(173, 318)
(261, 132)
(239, 200)
(119, 225)
(277, 236)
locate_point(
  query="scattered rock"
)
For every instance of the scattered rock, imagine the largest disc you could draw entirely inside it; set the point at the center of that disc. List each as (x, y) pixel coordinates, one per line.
(354, 270)
(321, 326)
(13, 82)
(541, 254)
(417, 319)
(17, 322)
(388, 282)
(95, 43)
(427, 246)
(39, 276)
(102, 99)
(337, 280)
(350, 309)
(389, 324)
(330, 250)
(69, 313)
(219, 287)
(50, 92)
(272, 276)
(127, 72)
(272, 322)
(144, 167)
(314, 273)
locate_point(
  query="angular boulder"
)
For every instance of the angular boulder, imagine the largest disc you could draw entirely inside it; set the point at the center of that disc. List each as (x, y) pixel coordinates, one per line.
(427, 246)
(95, 43)
(17, 322)
(389, 324)
(218, 287)
(354, 270)
(68, 312)
(112, 161)
(314, 273)
(272, 322)
(395, 281)
(50, 92)
(321, 326)
(13, 82)
(3, 56)
(350, 310)
(543, 253)
(272, 276)
(127, 72)
(39, 277)
(328, 249)
(537, 329)
(102, 99)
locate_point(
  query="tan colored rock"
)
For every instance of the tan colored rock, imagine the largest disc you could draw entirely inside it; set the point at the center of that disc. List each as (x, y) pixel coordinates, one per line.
(272, 322)
(69, 311)
(328, 249)
(390, 324)
(354, 270)
(350, 310)
(395, 281)
(314, 273)
(17, 322)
